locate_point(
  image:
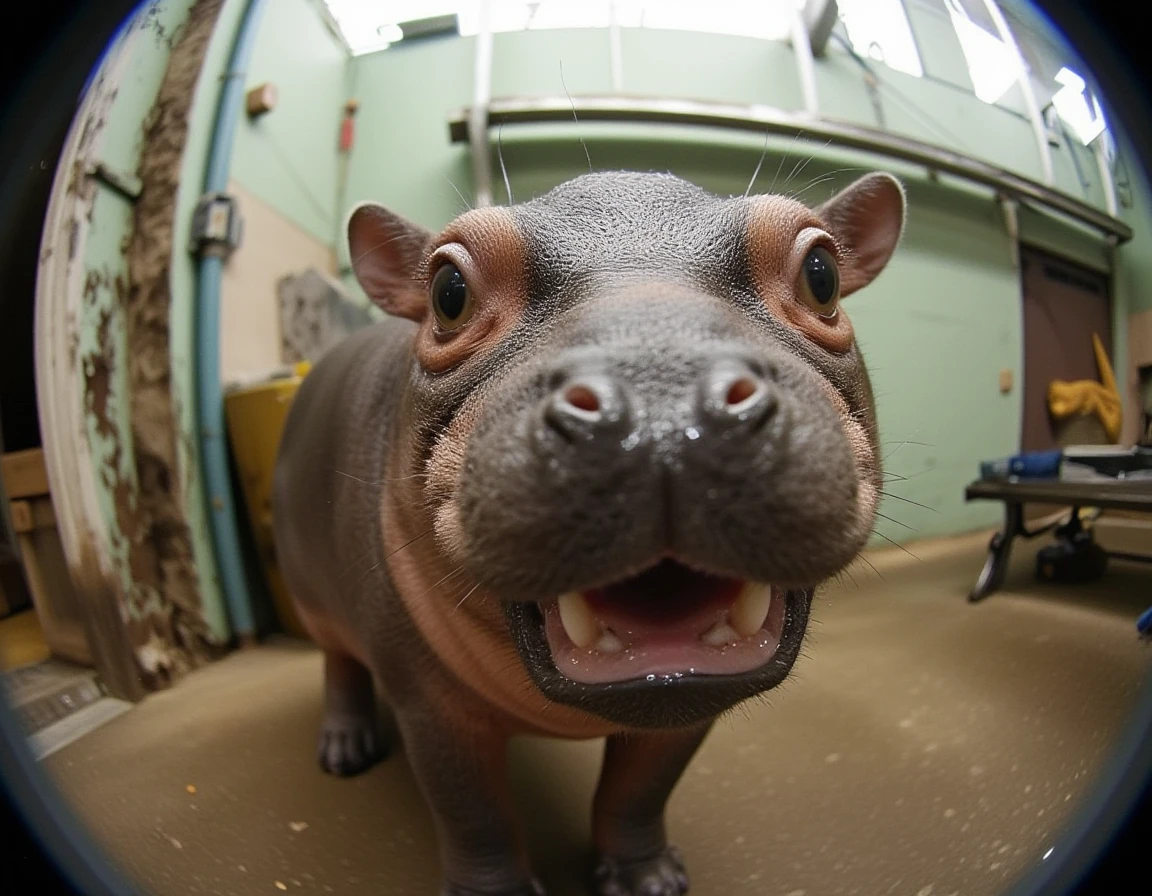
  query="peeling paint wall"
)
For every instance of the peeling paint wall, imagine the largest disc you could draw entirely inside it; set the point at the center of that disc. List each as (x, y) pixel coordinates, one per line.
(166, 615)
(132, 549)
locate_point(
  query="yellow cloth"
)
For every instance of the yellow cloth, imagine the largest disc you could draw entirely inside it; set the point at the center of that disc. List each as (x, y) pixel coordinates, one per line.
(1088, 397)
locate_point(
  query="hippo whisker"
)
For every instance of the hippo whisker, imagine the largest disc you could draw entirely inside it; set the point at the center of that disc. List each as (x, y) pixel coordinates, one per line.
(823, 178)
(896, 543)
(800, 165)
(500, 156)
(896, 521)
(783, 159)
(455, 572)
(756, 173)
(868, 562)
(468, 205)
(574, 117)
(364, 574)
(908, 501)
(902, 443)
(357, 478)
(380, 245)
(465, 597)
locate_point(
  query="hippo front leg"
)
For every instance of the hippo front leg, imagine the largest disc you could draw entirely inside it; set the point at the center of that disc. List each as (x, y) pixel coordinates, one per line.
(461, 767)
(640, 770)
(350, 737)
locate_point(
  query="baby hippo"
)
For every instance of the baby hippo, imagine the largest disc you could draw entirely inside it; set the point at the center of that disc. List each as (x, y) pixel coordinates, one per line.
(582, 482)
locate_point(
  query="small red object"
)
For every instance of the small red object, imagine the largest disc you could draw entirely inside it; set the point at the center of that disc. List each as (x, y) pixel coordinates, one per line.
(348, 126)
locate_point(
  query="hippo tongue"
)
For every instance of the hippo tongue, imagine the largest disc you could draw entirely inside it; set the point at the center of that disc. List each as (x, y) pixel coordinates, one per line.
(668, 621)
(666, 603)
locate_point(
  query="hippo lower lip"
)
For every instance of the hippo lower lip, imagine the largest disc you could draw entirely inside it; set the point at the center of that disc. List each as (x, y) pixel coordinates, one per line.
(668, 621)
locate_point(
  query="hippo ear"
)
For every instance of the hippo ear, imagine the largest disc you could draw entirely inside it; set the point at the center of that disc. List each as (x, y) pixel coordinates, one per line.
(386, 252)
(868, 218)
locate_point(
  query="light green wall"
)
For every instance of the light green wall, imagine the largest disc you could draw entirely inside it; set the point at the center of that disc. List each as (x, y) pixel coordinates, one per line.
(687, 65)
(288, 157)
(939, 325)
(529, 63)
(936, 329)
(402, 156)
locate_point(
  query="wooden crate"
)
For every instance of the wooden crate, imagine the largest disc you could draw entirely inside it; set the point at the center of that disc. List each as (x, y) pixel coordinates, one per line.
(57, 605)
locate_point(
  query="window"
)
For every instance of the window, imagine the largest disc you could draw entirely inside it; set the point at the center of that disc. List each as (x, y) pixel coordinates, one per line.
(767, 19)
(879, 29)
(991, 63)
(993, 68)
(1077, 106)
(368, 25)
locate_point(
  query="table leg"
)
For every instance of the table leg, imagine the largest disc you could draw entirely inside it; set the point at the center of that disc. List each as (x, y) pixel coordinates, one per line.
(999, 550)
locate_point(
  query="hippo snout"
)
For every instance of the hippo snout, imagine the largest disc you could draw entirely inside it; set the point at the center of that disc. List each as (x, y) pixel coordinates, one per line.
(723, 454)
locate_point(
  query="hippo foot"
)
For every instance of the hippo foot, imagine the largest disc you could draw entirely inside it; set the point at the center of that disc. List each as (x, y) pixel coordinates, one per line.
(532, 888)
(349, 744)
(661, 875)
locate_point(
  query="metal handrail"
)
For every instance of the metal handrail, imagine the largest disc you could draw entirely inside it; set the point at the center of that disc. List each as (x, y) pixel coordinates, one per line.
(761, 119)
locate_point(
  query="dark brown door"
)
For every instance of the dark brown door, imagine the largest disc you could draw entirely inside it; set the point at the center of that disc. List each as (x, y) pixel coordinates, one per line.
(1064, 304)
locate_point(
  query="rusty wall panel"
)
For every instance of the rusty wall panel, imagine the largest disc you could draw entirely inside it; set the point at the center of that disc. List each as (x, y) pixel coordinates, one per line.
(166, 621)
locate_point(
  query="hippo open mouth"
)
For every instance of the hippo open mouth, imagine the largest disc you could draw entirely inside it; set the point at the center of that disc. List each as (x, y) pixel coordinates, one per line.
(667, 646)
(669, 620)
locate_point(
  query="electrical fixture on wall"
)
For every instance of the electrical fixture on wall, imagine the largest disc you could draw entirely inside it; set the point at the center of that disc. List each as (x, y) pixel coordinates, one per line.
(436, 26)
(1052, 126)
(260, 100)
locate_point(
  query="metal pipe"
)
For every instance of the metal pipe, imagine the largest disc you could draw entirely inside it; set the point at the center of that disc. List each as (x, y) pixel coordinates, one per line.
(1100, 148)
(478, 114)
(1010, 209)
(209, 392)
(805, 66)
(615, 55)
(1039, 130)
(758, 118)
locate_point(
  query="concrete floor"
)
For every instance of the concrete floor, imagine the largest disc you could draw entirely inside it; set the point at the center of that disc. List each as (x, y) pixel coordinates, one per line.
(924, 746)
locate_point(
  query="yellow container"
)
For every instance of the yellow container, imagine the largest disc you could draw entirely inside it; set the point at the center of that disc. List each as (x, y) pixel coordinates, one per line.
(256, 416)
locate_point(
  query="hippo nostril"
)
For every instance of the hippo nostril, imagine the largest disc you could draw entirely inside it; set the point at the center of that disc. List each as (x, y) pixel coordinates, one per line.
(740, 391)
(734, 393)
(580, 396)
(586, 407)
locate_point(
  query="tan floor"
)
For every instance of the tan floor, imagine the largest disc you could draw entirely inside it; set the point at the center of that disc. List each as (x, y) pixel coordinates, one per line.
(925, 747)
(21, 641)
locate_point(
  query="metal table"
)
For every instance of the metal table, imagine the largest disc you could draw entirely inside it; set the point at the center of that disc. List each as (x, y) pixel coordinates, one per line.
(1119, 495)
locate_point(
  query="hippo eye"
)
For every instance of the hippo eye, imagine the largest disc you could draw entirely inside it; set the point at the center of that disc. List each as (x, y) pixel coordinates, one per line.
(820, 281)
(451, 297)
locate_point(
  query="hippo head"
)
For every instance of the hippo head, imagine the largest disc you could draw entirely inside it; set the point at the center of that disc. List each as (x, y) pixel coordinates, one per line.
(640, 423)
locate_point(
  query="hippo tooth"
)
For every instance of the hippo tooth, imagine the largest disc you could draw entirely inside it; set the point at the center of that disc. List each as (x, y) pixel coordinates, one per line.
(579, 623)
(751, 609)
(609, 643)
(720, 634)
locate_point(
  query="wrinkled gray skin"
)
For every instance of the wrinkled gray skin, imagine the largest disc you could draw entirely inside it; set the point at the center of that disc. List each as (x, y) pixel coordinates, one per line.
(639, 289)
